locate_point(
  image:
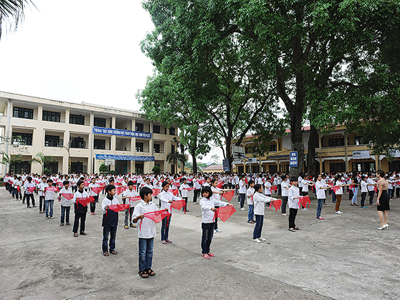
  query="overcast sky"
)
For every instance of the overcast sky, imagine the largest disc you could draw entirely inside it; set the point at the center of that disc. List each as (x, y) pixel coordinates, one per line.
(79, 50)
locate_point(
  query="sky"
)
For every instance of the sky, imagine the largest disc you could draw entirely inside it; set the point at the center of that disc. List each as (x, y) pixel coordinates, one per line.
(79, 50)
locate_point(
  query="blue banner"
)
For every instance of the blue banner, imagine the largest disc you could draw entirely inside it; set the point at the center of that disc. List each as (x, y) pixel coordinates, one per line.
(294, 159)
(122, 132)
(125, 157)
(226, 165)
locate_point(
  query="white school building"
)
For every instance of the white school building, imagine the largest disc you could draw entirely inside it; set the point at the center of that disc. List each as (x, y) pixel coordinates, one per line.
(81, 136)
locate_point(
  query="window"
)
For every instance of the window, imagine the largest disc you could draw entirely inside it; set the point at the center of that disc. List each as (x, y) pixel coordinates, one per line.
(272, 148)
(273, 169)
(24, 138)
(51, 116)
(156, 129)
(100, 144)
(77, 119)
(394, 166)
(52, 141)
(157, 148)
(172, 131)
(77, 167)
(139, 127)
(172, 148)
(337, 167)
(78, 142)
(24, 113)
(363, 166)
(139, 147)
(100, 122)
(20, 167)
(358, 140)
(52, 167)
(336, 142)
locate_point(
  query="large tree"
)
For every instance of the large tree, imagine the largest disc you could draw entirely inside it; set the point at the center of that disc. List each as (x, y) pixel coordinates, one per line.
(221, 75)
(12, 13)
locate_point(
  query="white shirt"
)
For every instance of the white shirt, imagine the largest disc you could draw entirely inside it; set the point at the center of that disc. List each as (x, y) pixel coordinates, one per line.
(320, 192)
(294, 192)
(64, 201)
(364, 187)
(107, 201)
(242, 187)
(371, 187)
(267, 186)
(185, 193)
(146, 227)
(284, 184)
(206, 212)
(165, 197)
(129, 194)
(259, 200)
(250, 192)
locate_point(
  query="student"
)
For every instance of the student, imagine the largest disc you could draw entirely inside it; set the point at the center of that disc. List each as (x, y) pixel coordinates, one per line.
(216, 194)
(339, 193)
(94, 195)
(17, 188)
(65, 203)
(208, 206)
(29, 194)
(184, 193)
(166, 199)
(294, 196)
(371, 188)
(320, 188)
(41, 188)
(146, 232)
(285, 193)
(110, 220)
(259, 199)
(196, 185)
(250, 193)
(242, 192)
(49, 200)
(126, 195)
(364, 191)
(80, 210)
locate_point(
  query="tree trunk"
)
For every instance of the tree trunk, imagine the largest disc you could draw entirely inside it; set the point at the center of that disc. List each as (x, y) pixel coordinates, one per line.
(193, 153)
(297, 141)
(312, 145)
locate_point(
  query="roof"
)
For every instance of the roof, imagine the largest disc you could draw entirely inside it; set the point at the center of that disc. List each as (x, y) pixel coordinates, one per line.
(213, 168)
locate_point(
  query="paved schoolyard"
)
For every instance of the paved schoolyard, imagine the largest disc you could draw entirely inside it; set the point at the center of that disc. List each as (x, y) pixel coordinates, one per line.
(344, 257)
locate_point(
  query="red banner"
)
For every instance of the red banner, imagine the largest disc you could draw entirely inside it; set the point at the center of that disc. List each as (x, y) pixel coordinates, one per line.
(156, 216)
(224, 213)
(134, 199)
(120, 189)
(303, 201)
(51, 189)
(118, 207)
(67, 196)
(97, 189)
(274, 188)
(84, 201)
(202, 181)
(335, 189)
(220, 185)
(175, 192)
(276, 204)
(190, 189)
(156, 192)
(31, 189)
(178, 204)
(228, 195)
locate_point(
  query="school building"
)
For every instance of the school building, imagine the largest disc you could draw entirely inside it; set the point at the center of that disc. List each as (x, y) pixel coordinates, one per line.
(80, 137)
(336, 152)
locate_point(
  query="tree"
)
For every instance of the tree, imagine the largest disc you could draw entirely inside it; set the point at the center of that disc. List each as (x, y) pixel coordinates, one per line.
(209, 67)
(103, 168)
(9, 161)
(216, 160)
(174, 157)
(12, 13)
(17, 146)
(43, 161)
(156, 170)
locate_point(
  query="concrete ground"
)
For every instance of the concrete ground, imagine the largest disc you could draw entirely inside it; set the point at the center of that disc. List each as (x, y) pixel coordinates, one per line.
(343, 257)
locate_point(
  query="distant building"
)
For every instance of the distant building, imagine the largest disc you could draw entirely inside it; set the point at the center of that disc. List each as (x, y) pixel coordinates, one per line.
(213, 168)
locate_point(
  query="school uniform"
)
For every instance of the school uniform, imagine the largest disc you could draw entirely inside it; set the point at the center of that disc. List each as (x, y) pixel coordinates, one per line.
(249, 194)
(80, 211)
(197, 187)
(259, 209)
(242, 192)
(95, 196)
(165, 197)
(41, 186)
(321, 196)
(184, 193)
(294, 192)
(285, 195)
(65, 205)
(364, 191)
(49, 202)
(29, 194)
(110, 222)
(129, 212)
(371, 190)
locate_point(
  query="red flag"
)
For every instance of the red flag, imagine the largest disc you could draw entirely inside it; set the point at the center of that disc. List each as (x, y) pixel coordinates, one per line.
(335, 188)
(246, 181)
(134, 187)
(156, 216)
(190, 179)
(97, 189)
(86, 183)
(178, 204)
(18, 188)
(202, 181)
(120, 189)
(274, 188)
(118, 207)
(67, 196)
(60, 184)
(220, 185)
(118, 184)
(303, 201)
(175, 192)
(31, 189)
(134, 181)
(228, 195)
(134, 199)
(224, 213)
(398, 182)
(190, 189)
(156, 192)
(84, 201)
(276, 204)
(376, 189)
(177, 184)
(51, 189)
(352, 186)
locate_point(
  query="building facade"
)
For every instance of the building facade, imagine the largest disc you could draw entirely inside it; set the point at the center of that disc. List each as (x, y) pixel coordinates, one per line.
(335, 152)
(80, 137)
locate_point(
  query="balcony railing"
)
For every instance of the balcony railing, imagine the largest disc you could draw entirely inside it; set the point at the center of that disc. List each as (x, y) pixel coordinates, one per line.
(52, 143)
(158, 151)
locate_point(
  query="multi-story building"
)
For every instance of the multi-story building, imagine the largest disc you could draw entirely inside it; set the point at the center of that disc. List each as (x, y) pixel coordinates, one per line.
(335, 152)
(80, 137)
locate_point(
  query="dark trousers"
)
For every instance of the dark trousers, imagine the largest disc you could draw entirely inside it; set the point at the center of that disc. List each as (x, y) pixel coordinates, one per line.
(186, 201)
(82, 217)
(65, 212)
(206, 237)
(284, 202)
(41, 203)
(363, 196)
(292, 217)
(242, 197)
(196, 195)
(112, 231)
(371, 197)
(29, 196)
(165, 227)
(93, 204)
(259, 225)
(216, 221)
(279, 189)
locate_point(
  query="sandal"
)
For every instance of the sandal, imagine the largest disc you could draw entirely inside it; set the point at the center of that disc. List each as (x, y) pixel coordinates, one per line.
(106, 254)
(76, 235)
(143, 274)
(151, 272)
(206, 256)
(296, 228)
(114, 252)
(211, 255)
(83, 233)
(292, 230)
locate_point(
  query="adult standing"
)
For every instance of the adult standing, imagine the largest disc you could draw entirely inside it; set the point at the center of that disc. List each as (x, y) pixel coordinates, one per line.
(382, 201)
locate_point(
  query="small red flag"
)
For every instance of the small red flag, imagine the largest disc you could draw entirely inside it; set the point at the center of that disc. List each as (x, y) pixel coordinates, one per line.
(190, 179)
(60, 184)
(120, 189)
(175, 192)
(177, 184)
(134, 199)
(276, 204)
(190, 189)
(31, 189)
(335, 188)
(376, 189)
(156, 216)
(246, 181)
(274, 188)
(51, 189)
(67, 196)
(86, 183)
(224, 213)
(156, 192)
(18, 188)
(220, 185)
(84, 201)
(178, 204)
(97, 189)
(118, 207)
(228, 195)
(303, 201)
(202, 181)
